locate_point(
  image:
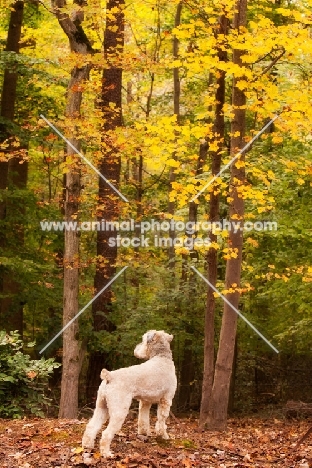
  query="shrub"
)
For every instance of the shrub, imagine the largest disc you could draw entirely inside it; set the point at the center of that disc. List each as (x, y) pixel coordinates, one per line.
(23, 381)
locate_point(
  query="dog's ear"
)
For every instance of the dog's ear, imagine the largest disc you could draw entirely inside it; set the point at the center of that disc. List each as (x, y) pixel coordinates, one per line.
(150, 335)
(169, 337)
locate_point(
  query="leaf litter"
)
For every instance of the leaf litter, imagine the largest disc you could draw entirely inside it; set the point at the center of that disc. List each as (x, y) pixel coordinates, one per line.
(248, 442)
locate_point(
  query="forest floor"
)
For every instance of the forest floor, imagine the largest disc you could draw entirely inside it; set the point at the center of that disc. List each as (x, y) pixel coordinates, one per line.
(248, 442)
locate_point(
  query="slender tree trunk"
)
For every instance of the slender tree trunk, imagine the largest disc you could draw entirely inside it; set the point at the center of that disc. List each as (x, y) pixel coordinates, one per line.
(176, 111)
(187, 373)
(110, 168)
(217, 418)
(187, 366)
(212, 258)
(138, 178)
(72, 349)
(12, 306)
(183, 391)
(13, 173)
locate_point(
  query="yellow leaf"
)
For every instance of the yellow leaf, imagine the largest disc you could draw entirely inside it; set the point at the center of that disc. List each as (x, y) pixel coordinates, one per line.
(284, 11)
(78, 450)
(173, 162)
(251, 241)
(239, 164)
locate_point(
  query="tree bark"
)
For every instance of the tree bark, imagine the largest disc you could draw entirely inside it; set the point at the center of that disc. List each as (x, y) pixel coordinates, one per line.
(12, 173)
(72, 349)
(110, 168)
(188, 371)
(212, 256)
(176, 111)
(217, 418)
(8, 96)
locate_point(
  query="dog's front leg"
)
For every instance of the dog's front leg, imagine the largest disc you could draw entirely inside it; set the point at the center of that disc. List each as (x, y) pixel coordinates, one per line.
(163, 411)
(144, 418)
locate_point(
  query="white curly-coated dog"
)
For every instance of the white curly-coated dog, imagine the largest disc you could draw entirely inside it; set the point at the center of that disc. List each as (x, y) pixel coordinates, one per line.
(154, 381)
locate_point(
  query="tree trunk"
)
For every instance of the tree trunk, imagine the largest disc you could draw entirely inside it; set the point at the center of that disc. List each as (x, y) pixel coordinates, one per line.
(212, 258)
(217, 418)
(176, 111)
(110, 168)
(187, 375)
(11, 173)
(8, 96)
(188, 371)
(72, 350)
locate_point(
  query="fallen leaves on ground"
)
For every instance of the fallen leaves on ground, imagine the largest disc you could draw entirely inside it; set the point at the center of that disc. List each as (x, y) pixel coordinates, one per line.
(52, 443)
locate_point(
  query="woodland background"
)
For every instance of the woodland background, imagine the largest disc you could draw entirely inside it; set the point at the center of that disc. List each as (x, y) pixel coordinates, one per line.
(158, 96)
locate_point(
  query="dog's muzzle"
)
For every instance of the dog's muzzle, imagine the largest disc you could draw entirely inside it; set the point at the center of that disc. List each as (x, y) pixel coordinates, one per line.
(140, 351)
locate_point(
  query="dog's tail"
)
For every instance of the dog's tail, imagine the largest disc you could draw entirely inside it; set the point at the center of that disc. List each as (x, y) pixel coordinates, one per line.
(106, 375)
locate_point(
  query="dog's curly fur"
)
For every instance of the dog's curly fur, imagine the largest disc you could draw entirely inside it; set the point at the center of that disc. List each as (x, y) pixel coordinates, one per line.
(154, 381)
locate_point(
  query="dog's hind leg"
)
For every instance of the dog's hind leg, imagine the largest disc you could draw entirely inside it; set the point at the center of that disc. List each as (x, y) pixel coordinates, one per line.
(118, 411)
(144, 418)
(163, 411)
(95, 424)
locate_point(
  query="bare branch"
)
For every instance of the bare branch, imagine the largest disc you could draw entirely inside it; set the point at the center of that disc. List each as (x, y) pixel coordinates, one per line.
(272, 63)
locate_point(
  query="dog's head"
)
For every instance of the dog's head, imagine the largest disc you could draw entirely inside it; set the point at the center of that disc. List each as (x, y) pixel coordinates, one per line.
(154, 343)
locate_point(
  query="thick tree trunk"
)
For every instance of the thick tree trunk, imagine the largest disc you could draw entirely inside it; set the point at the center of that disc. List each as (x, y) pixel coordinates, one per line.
(110, 168)
(72, 350)
(8, 96)
(217, 418)
(71, 345)
(211, 258)
(12, 174)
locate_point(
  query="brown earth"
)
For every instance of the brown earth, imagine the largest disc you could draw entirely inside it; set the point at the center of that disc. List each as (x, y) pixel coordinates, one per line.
(53, 443)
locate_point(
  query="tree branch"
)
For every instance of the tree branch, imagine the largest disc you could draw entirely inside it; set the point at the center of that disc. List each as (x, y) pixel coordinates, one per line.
(272, 63)
(78, 39)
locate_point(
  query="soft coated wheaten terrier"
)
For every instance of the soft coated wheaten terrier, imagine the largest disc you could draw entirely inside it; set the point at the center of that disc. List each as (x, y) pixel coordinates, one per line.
(154, 381)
